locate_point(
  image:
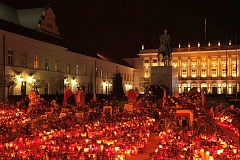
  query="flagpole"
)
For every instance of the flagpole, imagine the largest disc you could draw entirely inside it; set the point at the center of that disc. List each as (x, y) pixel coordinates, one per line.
(205, 29)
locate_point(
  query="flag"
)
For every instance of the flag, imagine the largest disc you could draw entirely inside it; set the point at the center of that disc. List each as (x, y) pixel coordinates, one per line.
(205, 29)
(139, 104)
(67, 94)
(211, 112)
(132, 96)
(192, 92)
(94, 99)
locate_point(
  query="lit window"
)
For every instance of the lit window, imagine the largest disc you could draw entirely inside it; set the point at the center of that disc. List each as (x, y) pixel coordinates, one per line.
(146, 74)
(68, 69)
(77, 69)
(214, 72)
(224, 72)
(46, 64)
(194, 74)
(56, 65)
(234, 68)
(96, 72)
(234, 72)
(101, 73)
(36, 62)
(10, 57)
(23, 60)
(146, 61)
(203, 72)
(184, 73)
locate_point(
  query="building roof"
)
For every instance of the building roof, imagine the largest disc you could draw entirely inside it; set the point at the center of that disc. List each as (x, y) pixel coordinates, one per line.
(34, 34)
(191, 49)
(8, 13)
(113, 59)
(30, 17)
(25, 22)
(25, 17)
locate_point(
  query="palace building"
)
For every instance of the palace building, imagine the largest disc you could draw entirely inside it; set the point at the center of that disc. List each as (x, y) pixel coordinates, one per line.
(212, 68)
(31, 49)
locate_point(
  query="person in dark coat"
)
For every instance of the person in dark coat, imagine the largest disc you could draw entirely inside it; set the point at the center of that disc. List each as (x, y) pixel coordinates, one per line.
(159, 92)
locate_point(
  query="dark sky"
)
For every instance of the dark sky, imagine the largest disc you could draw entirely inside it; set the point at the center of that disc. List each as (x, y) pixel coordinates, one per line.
(120, 27)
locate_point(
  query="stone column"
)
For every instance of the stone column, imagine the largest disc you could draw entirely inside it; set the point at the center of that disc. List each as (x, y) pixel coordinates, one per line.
(188, 67)
(209, 67)
(198, 67)
(230, 66)
(179, 67)
(218, 66)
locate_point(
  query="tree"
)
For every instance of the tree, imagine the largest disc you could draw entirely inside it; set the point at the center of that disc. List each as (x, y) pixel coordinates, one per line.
(9, 81)
(35, 84)
(117, 85)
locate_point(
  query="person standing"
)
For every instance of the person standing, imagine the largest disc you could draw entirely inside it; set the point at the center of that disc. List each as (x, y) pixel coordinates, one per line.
(77, 98)
(82, 97)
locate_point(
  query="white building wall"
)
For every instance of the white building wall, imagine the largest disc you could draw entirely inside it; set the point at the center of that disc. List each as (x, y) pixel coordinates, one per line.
(87, 66)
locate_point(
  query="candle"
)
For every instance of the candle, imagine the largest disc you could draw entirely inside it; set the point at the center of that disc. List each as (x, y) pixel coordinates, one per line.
(202, 152)
(211, 158)
(235, 150)
(219, 151)
(207, 155)
(102, 147)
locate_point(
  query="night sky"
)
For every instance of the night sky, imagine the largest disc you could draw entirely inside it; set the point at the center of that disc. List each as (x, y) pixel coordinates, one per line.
(120, 27)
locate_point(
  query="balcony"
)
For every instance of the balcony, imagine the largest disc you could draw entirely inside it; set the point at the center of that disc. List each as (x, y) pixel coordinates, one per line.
(208, 78)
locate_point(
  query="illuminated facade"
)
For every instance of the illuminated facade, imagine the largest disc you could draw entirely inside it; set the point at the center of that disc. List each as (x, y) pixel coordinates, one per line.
(214, 69)
(33, 51)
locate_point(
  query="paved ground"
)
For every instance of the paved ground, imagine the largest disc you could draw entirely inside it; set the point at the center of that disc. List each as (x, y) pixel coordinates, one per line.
(151, 146)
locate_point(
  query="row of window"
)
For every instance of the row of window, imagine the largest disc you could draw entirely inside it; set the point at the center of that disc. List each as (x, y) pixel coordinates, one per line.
(154, 60)
(213, 72)
(83, 71)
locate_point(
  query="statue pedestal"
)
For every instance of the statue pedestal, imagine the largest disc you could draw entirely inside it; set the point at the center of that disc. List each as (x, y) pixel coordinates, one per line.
(165, 75)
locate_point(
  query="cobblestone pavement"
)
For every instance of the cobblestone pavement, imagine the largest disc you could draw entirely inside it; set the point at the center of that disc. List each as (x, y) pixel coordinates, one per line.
(149, 148)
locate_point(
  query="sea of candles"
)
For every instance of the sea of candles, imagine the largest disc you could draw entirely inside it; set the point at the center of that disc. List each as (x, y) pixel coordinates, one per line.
(196, 146)
(96, 139)
(28, 136)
